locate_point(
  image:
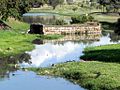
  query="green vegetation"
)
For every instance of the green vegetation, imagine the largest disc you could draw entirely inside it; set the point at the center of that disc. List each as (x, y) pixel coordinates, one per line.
(82, 19)
(64, 10)
(60, 22)
(91, 75)
(110, 5)
(101, 69)
(108, 21)
(117, 30)
(13, 8)
(16, 41)
(13, 43)
(18, 26)
(107, 53)
(54, 3)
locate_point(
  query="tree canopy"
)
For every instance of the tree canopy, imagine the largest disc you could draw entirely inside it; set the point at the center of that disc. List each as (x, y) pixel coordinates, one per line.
(16, 8)
(111, 5)
(54, 3)
(13, 8)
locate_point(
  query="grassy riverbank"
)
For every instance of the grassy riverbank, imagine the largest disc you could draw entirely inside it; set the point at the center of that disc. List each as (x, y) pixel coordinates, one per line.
(12, 43)
(107, 53)
(93, 75)
(16, 41)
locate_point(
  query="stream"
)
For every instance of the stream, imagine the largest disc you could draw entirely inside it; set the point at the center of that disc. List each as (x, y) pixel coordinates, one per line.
(46, 53)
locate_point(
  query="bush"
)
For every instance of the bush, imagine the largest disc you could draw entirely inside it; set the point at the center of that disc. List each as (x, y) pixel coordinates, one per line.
(117, 29)
(90, 18)
(60, 22)
(74, 9)
(81, 19)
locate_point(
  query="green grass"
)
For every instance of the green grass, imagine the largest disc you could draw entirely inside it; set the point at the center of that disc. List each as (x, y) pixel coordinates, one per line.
(107, 53)
(91, 75)
(13, 42)
(64, 10)
(18, 26)
(104, 17)
(67, 10)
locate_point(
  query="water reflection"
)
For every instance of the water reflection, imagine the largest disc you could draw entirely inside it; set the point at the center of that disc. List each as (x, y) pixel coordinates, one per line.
(44, 18)
(76, 38)
(30, 81)
(114, 37)
(68, 48)
(12, 78)
(10, 64)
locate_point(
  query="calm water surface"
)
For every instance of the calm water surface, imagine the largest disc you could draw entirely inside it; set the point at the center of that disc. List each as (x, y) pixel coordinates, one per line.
(63, 50)
(30, 81)
(44, 18)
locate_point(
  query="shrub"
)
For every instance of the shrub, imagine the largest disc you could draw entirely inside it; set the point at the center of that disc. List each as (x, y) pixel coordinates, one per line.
(90, 18)
(74, 9)
(81, 19)
(60, 22)
(117, 29)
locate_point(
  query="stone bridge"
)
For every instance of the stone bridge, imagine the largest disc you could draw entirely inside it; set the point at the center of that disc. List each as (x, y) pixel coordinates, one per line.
(88, 28)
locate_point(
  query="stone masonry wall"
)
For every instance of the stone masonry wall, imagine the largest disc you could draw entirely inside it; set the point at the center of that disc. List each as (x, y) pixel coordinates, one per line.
(73, 29)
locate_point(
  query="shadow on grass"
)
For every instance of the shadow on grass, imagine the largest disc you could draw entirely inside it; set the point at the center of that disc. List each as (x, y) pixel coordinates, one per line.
(112, 55)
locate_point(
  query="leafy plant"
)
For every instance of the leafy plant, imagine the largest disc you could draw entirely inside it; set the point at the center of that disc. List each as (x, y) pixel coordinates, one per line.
(60, 22)
(82, 19)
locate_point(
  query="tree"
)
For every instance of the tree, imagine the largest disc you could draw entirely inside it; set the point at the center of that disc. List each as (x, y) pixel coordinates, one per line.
(117, 30)
(110, 5)
(37, 3)
(74, 9)
(54, 3)
(13, 8)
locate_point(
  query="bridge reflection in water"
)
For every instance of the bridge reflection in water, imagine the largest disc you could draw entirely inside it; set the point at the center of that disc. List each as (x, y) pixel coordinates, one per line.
(85, 38)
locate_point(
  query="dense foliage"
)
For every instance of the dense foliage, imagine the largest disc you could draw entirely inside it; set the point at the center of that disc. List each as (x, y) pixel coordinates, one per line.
(60, 22)
(81, 19)
(117, 29)
(37, 3)
(16, 8)
(110, 5)
(54, 3)
(13, 8)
